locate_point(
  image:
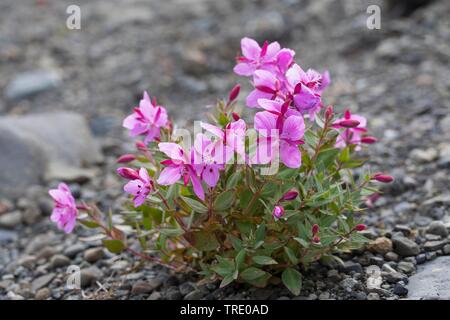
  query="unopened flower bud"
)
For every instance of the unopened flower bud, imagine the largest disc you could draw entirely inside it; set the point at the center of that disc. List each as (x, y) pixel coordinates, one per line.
(348, 123)
(360, 227)
(141, 146)
(126, 158)
(290, 195)
(278, 212)
(369, 139)
(382, 177)
(128, 173)
(235, 116)
(329, 112)
(316, 239)
(234, 93)
(315, 229)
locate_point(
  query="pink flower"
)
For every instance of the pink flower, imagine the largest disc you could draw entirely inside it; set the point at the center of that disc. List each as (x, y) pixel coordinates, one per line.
(140, 185)
(350, 135)
(228, 141)
(206, 161)
(290, 195)
(254, 57)
(179, 166)
(290, 132)
(147, 119)
(278, 212)
(267, 86)
(307, 88)
(65, 212)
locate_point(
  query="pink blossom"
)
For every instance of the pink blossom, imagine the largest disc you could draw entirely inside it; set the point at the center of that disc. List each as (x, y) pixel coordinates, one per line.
(140, 185)
(147, 119)
(267, 86)
(206, 161)
(65, 211)
(307, 88)
(350, 136)
(290, 132)
(278, 212)
(254, 57)
(229, 140)
(179, 166)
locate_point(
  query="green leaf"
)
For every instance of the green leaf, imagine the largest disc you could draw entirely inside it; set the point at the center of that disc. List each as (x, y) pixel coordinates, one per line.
(292, 279)
(327, 156)
(225, 267)
(303, 242)
(227, 280)
(344, 156)
(240, 259)
(195, 205)
(205, 241)
(291, 255)
(224, 201)
(113, 245)
(89, 223)
(263, 260)
(234, 179)
(252, 273)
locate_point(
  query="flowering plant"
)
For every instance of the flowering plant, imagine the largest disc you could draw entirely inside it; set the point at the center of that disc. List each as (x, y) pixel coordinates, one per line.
(244, 202)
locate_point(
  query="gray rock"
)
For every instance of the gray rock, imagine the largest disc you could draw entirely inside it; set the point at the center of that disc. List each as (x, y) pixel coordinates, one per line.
(89, 276)
(33, 145)
(30, 83)
(373, 296)
(42, 281)
(446, 249)
(7, 236)
(27, 261)
(405, 247)
(186, 288)
(434, 245)
(437, 228)
(43, 294)
(406, 267)
(156, 295)
(59, 261)
(94, 254)
(194, 295)
(421, 258)
(74, 249)
(391, 256)
(400, 289)
(431, 280)
(11, 219)
(141, 286)
(350, 266)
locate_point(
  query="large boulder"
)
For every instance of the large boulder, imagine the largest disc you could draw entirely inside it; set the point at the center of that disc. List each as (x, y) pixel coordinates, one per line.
(432, 280)
(39, 146)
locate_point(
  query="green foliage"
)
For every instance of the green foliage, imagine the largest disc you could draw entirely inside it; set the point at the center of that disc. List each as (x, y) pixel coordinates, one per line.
(232, 235)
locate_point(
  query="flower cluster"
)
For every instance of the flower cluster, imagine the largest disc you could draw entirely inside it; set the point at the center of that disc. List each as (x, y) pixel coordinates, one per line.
(209, 207)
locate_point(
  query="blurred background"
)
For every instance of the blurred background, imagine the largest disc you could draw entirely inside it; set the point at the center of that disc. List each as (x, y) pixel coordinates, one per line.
(64, 93)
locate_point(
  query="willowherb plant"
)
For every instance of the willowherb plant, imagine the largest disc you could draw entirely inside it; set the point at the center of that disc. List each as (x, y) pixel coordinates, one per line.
(244, 202)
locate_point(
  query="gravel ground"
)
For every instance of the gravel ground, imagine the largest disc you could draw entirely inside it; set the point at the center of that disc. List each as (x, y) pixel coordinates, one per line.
(183, 52)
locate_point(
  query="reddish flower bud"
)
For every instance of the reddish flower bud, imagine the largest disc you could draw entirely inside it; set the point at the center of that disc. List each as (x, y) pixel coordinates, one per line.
(235, 116)
(382, 177)
(315, 229)
(369, 139)
(349, 123)
(316, 239)
(329, 112)
(278, 212)
(141, 146)
(234, 93)
(290, 195)
(126, 158)
(128, 173)
(360, 227)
